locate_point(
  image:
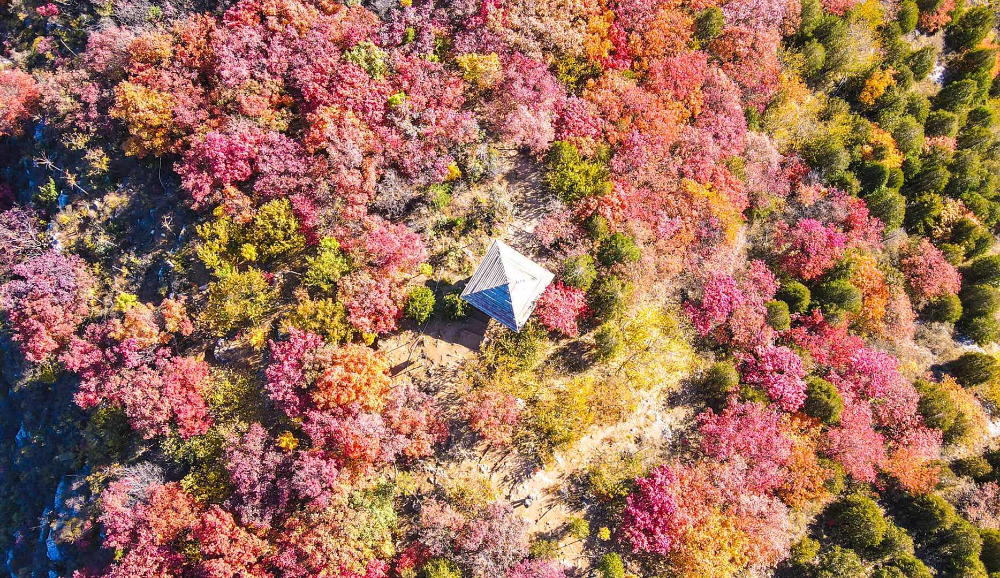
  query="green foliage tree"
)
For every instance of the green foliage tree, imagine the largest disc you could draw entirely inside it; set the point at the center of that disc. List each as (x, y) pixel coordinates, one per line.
(610, 340)
(708, 24)
(923, 213)
(938, 408)
(804, 552)
(823, 401)
(941, 123)
(944, 309)
(720, 381)
(957, 96)
(858, 522)
(828, 156)
(888, 205)
(984, 270)
(976, 467)
(327, 267)
(571, 177)
(238, 299)
(974, 240)
(983, 329)
(928, 515)
(618, 248)
(608, 296)
(969, 29)
(579, 272)
(976, 66)
(839, 562)
(795, 294)
(777, 315)
(990, 554)
(974, 368)
(907, 16)
(909, 135)
(838, 297)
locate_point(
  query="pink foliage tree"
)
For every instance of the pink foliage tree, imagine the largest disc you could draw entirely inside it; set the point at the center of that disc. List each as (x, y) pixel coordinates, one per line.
(752, 433)
(47, 303)
(808, 249)
(493, 415)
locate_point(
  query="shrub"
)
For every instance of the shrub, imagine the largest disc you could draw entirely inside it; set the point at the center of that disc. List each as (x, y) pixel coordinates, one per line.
(985, 270)
(577, 527)
(777, 315)
(46, 303)
(974, 368)
(238, 299)
(823, 401)
(323, 316)
(579, 272)
(596, 226)
(513, 352)
(721, 380)
(420, 304)
(454, 306)
(858, 522)
(944, 309)
(889, 572)
(560, 307)
(612, 477)
(441, 568)
(611, 566)
(795, 294)
(617, 248)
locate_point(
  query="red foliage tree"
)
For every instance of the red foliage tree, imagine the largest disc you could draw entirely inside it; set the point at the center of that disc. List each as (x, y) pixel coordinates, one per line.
(560, 307)
(20, 96)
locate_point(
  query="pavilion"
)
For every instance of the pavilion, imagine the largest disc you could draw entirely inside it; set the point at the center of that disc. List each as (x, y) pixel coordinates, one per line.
(506, 285)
